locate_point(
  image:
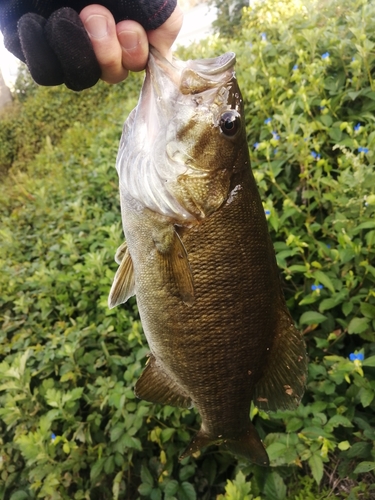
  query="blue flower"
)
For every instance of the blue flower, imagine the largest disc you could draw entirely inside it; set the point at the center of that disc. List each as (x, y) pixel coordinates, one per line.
(353, 356)
(363, 150)
(357, 127)
(325, 55)
(295, 67)
(275, 151)
(321, 108)
(53, 436)
(267, 212)
(315, 155)
(263, 37)
(267, 121)
(317, 287)
(256, 145)
(275, 135)
(328, 246)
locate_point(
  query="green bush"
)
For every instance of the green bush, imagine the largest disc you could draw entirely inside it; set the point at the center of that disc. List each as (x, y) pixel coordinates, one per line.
(71, 427)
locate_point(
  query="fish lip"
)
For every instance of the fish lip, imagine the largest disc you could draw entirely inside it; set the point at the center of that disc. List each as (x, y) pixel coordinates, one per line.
(209, 67)
(214, 71)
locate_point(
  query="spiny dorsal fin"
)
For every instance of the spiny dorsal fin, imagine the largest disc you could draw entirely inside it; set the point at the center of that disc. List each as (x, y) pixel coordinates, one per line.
(283, 382)
(155, 386)
(247, 444)
(123, 284)
(175, 262)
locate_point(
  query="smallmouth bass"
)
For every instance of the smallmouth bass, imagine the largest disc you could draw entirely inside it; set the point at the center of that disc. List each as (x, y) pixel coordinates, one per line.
(199, 258)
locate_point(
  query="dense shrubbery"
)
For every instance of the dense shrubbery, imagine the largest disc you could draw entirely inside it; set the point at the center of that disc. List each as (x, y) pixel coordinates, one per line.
(70, 425)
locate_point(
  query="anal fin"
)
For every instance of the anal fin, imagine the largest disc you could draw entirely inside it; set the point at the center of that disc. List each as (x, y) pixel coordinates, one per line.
(155, 386)
(283, 382)
(123, 284)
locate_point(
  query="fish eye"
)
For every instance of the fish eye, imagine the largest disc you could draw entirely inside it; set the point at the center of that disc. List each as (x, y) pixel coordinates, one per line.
(230, 123)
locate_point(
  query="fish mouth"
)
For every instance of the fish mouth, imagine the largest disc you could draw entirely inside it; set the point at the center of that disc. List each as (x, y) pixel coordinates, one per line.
(189, 77)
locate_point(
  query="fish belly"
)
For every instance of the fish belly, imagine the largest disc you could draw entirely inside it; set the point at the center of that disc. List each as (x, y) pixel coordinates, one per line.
(217, 348)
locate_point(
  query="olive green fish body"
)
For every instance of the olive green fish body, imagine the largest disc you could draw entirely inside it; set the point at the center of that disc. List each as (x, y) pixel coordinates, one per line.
(207, 285)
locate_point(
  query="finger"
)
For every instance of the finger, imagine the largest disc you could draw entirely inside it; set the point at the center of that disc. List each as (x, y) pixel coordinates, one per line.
(68, 39)
(134, 44)
(163, 37)
(101, 28)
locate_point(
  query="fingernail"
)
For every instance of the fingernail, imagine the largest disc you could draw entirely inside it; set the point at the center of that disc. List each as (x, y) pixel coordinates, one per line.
(97, 26)
(128, 39)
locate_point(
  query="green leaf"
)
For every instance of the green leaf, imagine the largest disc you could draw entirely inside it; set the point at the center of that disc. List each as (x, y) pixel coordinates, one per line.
(155, 494)
(19, 495)
(166, 434)
(366, 396)
(358, 325)
(187, 491)
(369, 361)
(335, 134)
(347, 308)
(116, 432)
(325, 280)
(316, 465)
(146, 476)
(315, 432)
(145, 489)
(294, 424)
(364, 467)
(360, 450)
(274, 487)
(327, 304)
(171, 488)
(368, 310)
(343, 445)
(97, 468)
(275, 450)
(186, 472)
(297, 268)
(312, 318)
(337, 420)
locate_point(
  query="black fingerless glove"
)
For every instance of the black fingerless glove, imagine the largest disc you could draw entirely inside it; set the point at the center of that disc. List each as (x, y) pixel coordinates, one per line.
(51, 39)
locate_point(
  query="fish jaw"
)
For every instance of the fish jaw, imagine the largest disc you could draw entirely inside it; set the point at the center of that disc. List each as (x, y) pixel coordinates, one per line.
(172, 148)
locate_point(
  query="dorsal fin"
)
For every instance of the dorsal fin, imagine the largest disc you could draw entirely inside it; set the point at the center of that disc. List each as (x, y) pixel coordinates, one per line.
(283, 382)
(155, 386)
(123, 284)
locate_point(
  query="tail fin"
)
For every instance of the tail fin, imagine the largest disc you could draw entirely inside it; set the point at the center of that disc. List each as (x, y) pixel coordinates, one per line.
(247, 445)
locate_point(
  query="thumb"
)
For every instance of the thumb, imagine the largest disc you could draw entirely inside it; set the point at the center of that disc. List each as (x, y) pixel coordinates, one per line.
(163, 37)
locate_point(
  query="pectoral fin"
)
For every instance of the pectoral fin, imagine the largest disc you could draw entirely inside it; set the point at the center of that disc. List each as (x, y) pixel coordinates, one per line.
(121, 251)
(155, 386)
(123, 284)
(174, 262)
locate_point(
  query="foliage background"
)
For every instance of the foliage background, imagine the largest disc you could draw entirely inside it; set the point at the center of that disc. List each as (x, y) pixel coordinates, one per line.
(70, 425)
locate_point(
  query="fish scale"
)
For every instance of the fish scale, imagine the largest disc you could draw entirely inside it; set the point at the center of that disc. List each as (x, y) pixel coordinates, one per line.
(206, 281)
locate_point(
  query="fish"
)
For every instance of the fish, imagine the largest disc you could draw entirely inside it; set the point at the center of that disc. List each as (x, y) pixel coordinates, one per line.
(199, 258)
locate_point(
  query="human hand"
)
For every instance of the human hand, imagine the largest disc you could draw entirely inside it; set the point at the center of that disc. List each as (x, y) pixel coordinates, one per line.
(52, 40)
(124, 47)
